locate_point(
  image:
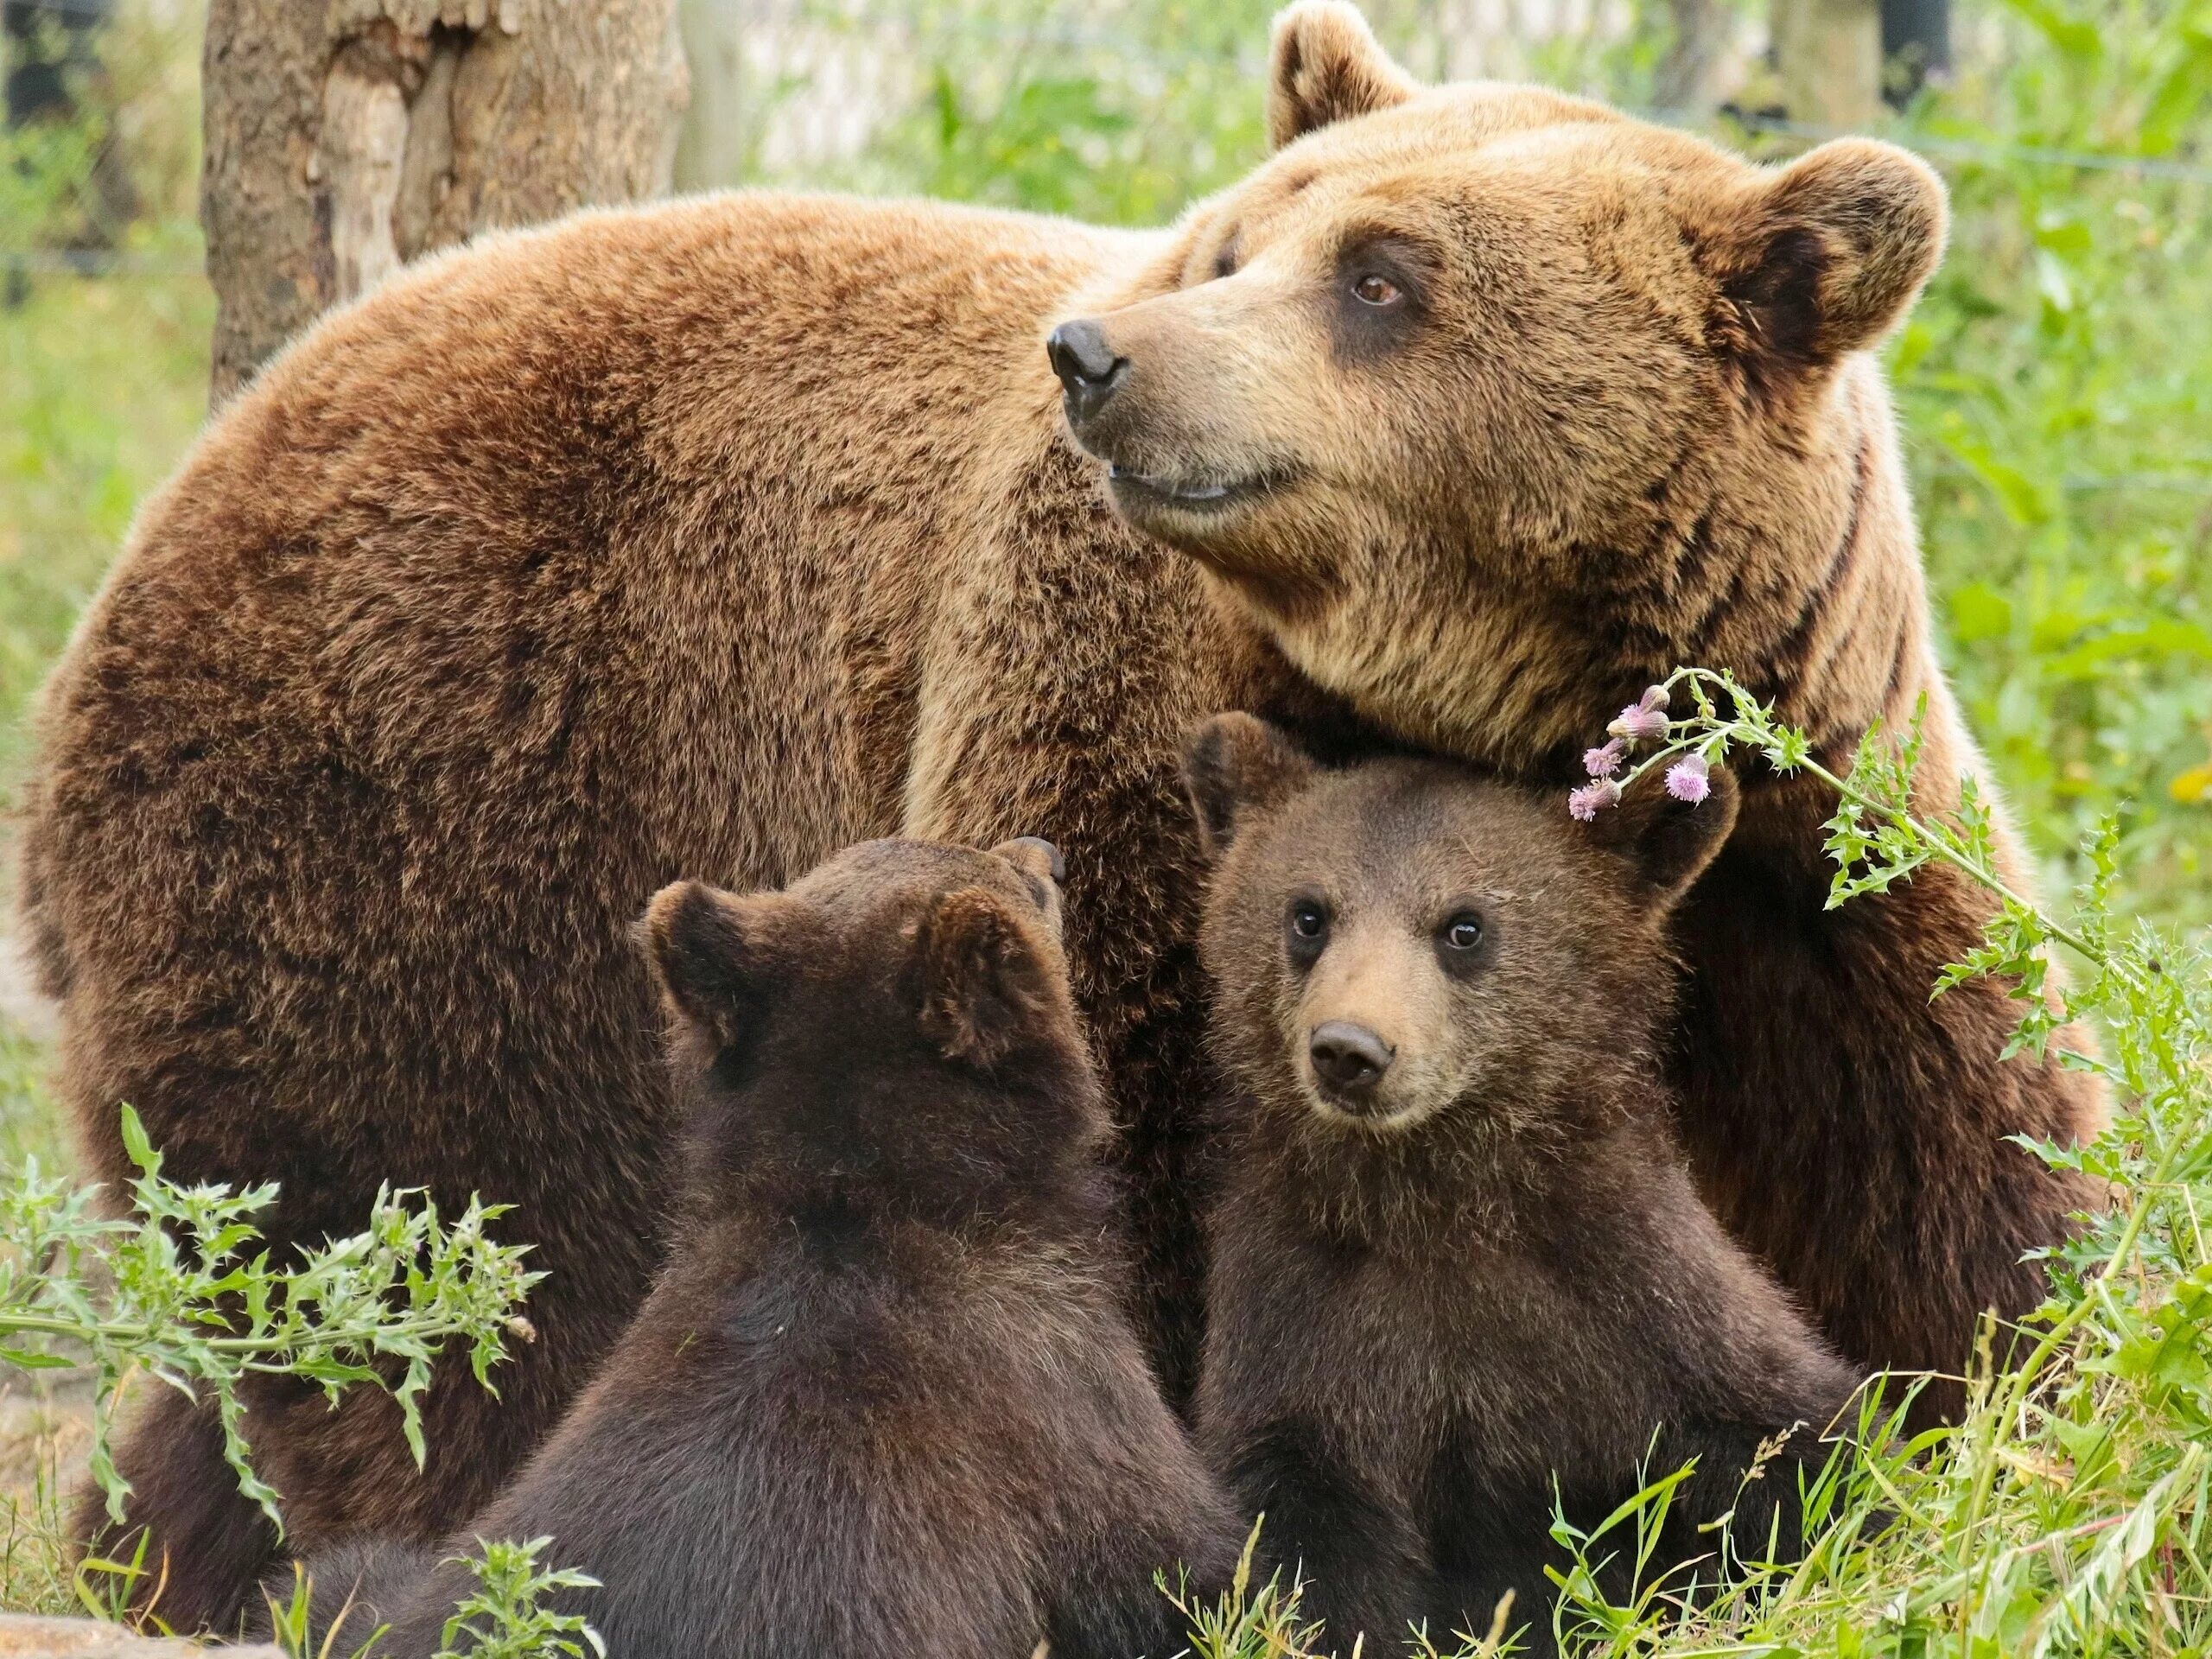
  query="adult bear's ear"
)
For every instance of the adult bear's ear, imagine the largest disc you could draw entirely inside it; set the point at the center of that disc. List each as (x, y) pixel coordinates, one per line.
(1235, 764)
(715, 953)
(986, 982)
(1669, 843)
(1325, 66)
(1826, 256)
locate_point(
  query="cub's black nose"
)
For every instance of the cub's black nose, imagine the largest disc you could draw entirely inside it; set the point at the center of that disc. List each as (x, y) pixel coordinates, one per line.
(1348, 1057)
(1088, 369)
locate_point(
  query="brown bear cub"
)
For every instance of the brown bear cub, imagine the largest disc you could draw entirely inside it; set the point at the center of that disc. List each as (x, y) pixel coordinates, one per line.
(885, 1398)
(1456, 1255)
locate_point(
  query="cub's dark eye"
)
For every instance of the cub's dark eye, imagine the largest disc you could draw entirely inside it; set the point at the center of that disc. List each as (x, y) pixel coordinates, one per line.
(1371, 290)
(1463, 931)
(1308, 924)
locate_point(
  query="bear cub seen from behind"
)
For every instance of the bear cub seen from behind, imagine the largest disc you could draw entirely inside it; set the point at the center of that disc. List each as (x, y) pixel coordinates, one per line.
(1456, 1253)
(884, 1399)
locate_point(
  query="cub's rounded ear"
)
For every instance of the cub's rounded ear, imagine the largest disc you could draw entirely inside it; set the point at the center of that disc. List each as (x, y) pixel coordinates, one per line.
(1669, 843)
(713, 952)
(988, 984)
(1826, 256)
(1235, 764)
(1325, 66)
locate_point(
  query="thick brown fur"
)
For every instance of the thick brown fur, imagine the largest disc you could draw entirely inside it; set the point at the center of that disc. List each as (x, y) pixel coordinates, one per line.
(1483, 1277)
(707, 537)
(885, 1399)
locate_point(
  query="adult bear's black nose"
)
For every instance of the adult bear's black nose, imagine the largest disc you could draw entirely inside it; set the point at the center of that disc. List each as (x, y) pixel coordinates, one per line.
(1088, 369)
(1348, 1057)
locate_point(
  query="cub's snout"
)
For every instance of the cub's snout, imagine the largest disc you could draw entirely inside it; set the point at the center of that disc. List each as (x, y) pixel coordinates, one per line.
(1348, 1061)
(1366, 1027)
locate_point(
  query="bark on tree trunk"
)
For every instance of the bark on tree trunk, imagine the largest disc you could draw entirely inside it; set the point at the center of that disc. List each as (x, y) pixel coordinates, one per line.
(717, 137)
(1684, 81)
(1830, 53)
(1916, 47)
(346, 136)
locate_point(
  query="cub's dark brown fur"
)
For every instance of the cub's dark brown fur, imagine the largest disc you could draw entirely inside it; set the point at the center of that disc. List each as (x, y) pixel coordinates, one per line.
(1458, 1254)
(885, 1399)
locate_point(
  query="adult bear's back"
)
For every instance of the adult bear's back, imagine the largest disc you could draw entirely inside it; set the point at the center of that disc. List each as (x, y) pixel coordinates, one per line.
(463, 630)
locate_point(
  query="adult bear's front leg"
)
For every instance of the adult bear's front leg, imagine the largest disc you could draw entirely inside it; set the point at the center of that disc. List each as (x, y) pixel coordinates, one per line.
(1111, 806)
(1059, 679)
(205, 1541)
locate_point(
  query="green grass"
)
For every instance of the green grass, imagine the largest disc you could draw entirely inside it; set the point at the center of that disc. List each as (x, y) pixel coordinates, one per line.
(43, 1422)
(103, 383)
(2056, 386)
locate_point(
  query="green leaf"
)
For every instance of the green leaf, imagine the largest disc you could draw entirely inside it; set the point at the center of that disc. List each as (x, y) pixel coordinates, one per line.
(31, 1360)
(2076, 39)
(1979, 611)
(136, 1146)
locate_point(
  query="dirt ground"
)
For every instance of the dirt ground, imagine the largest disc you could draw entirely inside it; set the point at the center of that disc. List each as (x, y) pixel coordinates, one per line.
(45, 1435)
(21, 1002)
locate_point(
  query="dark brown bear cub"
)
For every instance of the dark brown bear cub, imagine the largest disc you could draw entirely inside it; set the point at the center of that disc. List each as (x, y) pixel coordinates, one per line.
(1456, 1252)
(884, 1399)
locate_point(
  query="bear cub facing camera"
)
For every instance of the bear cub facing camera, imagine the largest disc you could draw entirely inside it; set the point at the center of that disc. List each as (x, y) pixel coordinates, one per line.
(1456, 1255)
(884, 1399)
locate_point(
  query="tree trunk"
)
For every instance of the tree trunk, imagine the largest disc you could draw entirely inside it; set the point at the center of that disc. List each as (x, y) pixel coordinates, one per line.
(1830, 53)
(1683, 84)
(718, 127)
(346, 136)
(1916, 47)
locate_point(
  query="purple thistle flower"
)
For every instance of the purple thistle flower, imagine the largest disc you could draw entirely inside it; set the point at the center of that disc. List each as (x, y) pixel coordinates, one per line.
(1584, 803)
(1689, 779)
(1639, 725)
(1604, 762)
(1644, 721)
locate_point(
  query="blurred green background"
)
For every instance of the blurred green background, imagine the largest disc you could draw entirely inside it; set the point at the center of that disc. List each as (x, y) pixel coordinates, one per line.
(2056, 384)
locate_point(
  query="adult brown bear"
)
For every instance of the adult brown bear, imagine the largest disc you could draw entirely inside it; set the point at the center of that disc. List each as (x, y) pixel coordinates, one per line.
(702, 539)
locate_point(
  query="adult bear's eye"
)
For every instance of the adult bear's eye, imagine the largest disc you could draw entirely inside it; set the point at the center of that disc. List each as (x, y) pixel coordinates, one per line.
(1463, 931)
(1308, 924)
(1371, 290)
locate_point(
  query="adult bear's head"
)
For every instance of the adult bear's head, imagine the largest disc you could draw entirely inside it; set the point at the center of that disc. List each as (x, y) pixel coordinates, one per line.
(1489, 404)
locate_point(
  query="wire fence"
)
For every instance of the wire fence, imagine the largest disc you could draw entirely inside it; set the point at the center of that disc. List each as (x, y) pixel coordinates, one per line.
(809, 84)
(805, 86)
(840, 93)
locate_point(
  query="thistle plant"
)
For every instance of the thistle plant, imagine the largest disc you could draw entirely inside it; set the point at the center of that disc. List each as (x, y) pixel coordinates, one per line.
(181, 1289)
(2068, 1512)
(505, 1618)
